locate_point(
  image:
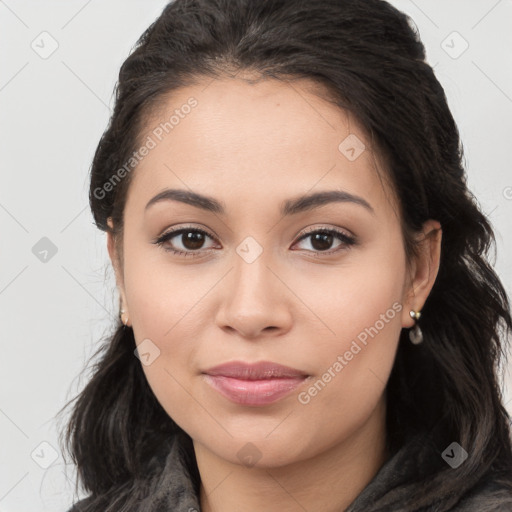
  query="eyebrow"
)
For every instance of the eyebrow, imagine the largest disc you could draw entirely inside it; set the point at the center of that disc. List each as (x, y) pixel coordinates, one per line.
(289, 207)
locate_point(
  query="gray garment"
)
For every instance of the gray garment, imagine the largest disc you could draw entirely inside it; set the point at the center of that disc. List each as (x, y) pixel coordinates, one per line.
(172, 489)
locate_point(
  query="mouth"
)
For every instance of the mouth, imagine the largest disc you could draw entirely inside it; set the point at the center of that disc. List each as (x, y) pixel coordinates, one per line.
(255, 384)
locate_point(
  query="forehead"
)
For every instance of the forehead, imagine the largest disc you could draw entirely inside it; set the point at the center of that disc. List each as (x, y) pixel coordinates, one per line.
(230, 138)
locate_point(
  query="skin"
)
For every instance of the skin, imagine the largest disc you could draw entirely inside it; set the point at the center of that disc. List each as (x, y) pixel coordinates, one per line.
(252, 146)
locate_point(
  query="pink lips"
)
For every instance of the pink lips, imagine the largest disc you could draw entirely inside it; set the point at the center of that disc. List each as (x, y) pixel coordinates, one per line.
(254, 384)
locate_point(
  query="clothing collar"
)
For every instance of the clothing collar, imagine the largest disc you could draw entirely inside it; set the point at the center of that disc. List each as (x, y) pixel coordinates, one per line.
(173, 490)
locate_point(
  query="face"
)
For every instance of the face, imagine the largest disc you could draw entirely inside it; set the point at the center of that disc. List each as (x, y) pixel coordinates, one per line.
(323, 290)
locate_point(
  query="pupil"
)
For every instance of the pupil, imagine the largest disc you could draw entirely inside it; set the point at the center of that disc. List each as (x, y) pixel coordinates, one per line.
(325, 240)
(192, 239)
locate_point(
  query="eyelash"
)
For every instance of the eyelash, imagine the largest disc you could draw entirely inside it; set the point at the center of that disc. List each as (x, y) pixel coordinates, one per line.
(347, 240)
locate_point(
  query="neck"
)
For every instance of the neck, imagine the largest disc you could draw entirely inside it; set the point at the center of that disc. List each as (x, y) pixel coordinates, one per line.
(330, 481)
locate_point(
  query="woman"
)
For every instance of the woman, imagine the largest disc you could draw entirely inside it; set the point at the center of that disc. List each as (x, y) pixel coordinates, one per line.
(308, 317)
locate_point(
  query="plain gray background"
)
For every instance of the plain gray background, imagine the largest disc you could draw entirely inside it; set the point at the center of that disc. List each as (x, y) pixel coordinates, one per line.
(58, 67)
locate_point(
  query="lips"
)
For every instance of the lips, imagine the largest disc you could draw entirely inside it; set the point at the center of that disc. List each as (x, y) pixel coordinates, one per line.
(254, 384)
(255, 371)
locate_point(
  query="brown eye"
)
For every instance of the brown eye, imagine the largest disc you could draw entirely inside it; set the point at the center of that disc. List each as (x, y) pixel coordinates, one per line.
(191, 239)
(321, 240)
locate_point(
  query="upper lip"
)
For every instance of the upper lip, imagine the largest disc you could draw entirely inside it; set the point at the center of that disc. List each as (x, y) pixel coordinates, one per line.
(255, 371)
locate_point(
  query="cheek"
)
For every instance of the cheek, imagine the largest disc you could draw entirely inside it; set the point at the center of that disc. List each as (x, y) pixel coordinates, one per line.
(352, 372)
(165, 308)
(363, 292)
(161, 294)
(362, 307)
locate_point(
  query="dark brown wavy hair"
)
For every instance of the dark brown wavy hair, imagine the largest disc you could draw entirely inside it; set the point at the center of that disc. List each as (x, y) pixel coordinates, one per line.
(371, 59)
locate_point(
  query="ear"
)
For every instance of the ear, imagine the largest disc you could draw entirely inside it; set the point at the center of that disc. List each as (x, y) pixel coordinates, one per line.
(116, 264)
(424, 270)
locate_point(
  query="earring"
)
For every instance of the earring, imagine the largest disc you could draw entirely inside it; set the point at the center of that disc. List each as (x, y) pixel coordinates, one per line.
(124, 317)
(415, 334)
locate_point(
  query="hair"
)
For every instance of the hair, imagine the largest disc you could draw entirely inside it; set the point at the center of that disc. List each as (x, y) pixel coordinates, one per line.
(370, 58)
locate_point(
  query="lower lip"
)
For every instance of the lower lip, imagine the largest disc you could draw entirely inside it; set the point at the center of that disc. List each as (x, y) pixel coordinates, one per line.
(253, 392)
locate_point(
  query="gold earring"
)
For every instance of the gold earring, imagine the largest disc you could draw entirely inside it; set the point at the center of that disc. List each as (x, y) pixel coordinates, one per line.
(415, 334)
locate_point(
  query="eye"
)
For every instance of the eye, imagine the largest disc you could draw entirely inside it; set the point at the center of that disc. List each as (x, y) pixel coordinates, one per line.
(191, 239)
(322, 239)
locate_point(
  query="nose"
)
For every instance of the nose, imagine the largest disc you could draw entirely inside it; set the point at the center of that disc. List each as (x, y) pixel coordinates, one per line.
(256, 302)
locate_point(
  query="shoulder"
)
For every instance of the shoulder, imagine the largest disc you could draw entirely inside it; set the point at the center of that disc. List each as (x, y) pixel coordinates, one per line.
(491, 496)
